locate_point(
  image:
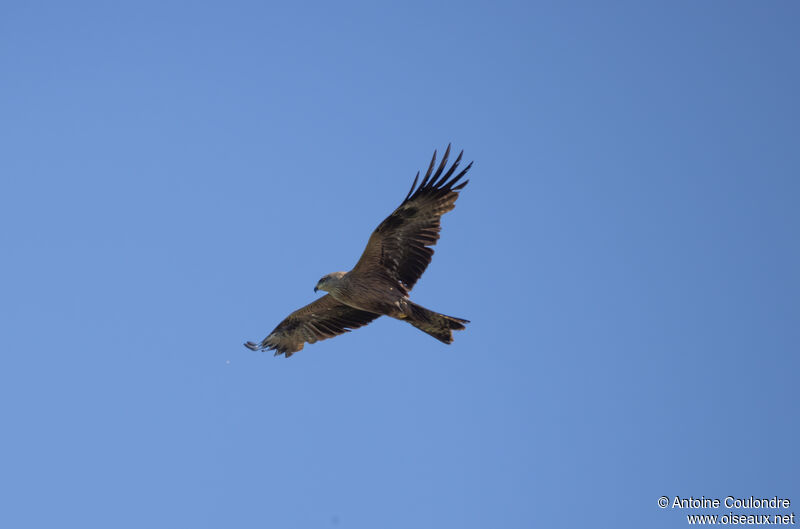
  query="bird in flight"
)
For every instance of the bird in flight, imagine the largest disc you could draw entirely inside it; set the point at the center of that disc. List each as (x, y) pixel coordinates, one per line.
(397, 253)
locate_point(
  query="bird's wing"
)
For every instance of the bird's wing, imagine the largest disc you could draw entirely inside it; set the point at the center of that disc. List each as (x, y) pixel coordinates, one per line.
(400, 245)
(320, 320)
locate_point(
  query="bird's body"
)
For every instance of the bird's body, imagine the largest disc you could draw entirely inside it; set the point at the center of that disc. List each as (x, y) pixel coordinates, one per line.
(373, 294)
(379, 284)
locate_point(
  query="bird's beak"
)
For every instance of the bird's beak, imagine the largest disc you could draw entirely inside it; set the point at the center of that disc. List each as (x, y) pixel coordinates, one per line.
(315, 289)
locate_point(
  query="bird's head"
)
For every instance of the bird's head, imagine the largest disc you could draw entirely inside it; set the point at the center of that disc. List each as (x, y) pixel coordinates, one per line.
(329, 281)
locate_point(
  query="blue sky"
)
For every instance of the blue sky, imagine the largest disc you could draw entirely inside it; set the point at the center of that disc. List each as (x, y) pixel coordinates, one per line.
(176, 176)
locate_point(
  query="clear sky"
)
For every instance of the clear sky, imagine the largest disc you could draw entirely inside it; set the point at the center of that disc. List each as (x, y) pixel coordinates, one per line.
(176, 176)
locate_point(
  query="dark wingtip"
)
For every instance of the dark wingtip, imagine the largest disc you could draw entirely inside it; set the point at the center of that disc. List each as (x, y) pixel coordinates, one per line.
(428, 174)
(439, 179)
(458, 177)
(460, 186)
(412, 187)
(436, 180)
(444, 183)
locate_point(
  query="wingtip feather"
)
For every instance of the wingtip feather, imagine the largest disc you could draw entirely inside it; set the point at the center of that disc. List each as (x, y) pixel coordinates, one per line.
(460, 186)
(410, 191)
(457, 178)
(436, 180)
(428, 173)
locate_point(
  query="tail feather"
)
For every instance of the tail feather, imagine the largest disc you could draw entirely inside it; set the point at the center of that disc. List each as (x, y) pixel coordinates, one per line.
(437, 325)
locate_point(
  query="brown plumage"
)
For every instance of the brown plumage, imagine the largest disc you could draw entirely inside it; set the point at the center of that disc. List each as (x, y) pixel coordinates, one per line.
(397, 253)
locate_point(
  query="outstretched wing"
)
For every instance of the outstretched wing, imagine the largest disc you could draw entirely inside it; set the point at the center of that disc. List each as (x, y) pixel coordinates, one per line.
(320, 320)
(400, 245)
